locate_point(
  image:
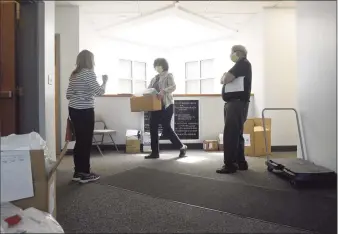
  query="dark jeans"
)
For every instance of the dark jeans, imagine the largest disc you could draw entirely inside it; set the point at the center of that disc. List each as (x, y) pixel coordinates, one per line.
(163, 117)
(235, 115)
(83, 121)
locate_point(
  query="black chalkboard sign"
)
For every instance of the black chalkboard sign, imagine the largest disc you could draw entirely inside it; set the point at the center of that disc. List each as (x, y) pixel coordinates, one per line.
(187, 119)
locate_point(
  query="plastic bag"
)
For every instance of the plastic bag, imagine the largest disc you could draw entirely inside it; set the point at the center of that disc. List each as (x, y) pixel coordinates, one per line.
(8, 210)
(34, 221)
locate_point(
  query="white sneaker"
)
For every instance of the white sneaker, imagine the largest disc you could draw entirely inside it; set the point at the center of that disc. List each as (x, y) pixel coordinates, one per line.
(183, 151)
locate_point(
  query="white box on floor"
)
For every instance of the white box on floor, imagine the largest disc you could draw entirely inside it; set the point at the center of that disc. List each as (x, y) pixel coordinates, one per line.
(146, 142)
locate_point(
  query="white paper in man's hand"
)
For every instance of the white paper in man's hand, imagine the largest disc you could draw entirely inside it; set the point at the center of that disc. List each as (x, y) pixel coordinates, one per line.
(223, 78)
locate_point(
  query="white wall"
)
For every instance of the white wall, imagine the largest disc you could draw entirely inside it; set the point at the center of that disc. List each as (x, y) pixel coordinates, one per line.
(217, 50)
(108, 51)
(111, 51)
(115, 112)
(280, 72)
(67, 25)
(270, 38)
(251, 35)
(49, 76)
(317, 79)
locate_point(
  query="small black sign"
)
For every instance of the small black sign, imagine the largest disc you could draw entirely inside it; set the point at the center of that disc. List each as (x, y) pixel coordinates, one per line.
(187, 119)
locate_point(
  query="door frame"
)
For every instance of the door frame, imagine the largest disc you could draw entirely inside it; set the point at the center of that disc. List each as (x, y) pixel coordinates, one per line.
(57, 96)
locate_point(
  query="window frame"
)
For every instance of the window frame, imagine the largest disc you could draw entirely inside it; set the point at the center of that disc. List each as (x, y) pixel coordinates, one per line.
(133, 79)
(200, 78)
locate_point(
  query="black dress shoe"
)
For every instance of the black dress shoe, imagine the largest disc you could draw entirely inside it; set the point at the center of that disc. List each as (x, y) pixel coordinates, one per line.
(243, 166)
(227, 169)
(152, 156)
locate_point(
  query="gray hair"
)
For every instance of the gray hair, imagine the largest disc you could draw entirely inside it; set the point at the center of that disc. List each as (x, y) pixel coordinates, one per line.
(241, 50)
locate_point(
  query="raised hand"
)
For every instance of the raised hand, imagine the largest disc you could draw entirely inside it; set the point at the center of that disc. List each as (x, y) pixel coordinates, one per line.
(104, 78)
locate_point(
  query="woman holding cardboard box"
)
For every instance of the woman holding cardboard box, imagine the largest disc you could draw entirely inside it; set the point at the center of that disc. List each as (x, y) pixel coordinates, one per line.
(82, 89)
(165, 85)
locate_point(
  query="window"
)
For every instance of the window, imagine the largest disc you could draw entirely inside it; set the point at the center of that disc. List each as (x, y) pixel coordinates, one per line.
(132, 76)
(199, 77)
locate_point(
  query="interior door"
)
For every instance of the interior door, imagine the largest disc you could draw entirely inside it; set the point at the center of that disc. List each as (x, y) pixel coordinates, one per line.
(8, 99)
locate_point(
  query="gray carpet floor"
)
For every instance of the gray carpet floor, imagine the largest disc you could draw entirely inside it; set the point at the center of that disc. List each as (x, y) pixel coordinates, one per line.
(306, 212)
(104, 209)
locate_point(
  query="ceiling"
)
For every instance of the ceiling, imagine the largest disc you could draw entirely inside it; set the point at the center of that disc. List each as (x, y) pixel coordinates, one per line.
(170, 24)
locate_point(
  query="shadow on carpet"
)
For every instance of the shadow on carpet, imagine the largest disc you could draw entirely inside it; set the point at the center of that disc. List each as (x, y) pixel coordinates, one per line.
(294, 209)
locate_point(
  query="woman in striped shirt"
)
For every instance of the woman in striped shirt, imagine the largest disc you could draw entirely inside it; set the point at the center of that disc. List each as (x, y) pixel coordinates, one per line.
(81, 92)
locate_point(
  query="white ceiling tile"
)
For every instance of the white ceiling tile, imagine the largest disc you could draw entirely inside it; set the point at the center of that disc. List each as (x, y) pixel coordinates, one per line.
(286, 4)
(104, 15)
(238, 6)
(231, 18)
(196, 6)
(109, 6)
(149, 6)
(155, 33)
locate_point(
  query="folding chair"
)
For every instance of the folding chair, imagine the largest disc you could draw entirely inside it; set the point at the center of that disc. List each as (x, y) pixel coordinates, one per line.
(102, 131)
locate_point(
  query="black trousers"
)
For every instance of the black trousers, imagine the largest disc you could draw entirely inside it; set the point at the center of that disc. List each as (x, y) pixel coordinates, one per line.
(163, 117)
(83, 121)
(235, 115)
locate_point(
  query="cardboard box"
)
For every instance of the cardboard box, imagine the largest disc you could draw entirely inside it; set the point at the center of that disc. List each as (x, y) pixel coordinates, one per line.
(44, 186)
(133, 146)
(133, 141)
(254, 137)
(145, 103)
(260, 149)
(44, 183)
(248, 135)
(210, 145)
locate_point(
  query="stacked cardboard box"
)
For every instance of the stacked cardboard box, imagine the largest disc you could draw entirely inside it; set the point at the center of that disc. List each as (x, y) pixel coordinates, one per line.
(254, 137)
(133, 142)
(133, 146)
(210, 145)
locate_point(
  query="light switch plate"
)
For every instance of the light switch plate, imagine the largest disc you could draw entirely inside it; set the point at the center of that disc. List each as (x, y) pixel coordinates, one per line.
(50, 80)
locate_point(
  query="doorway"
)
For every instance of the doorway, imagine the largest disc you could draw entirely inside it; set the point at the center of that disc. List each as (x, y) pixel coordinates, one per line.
(8, 99)
(57, 96)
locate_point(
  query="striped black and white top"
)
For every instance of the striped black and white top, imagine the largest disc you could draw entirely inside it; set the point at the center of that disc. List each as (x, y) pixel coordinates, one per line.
(82, 90)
